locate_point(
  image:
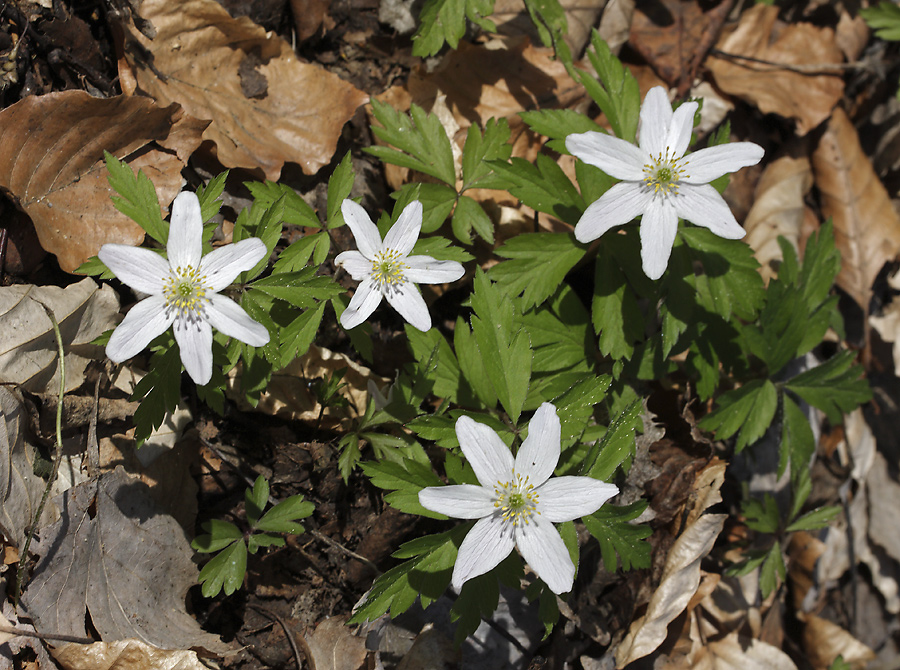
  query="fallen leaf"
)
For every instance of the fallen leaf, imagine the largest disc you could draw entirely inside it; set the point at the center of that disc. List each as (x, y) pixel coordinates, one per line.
(866, 226)
(11, 652)
(197, 57)
(114, 558)
(51, 164)
(334, 646)
(736, 652)
(125, 655)
(824, 641)
(807, 93)
(513, 20)
(28, 351)
(431, 649)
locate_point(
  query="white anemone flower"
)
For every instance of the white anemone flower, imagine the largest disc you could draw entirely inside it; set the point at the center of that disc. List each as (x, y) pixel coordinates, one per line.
(659, 181)
(517, 502)
(183, 292)
(387, 270)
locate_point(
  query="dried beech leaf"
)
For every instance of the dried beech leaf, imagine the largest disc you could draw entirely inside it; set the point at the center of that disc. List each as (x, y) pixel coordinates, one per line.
(736, 652)
(28, 350)
(866, 226)
(125, 655)
(51, 164)
(334, 646)
(778, 210)
(297, 113)
(824, 641)
(113, 557)
(806, 96)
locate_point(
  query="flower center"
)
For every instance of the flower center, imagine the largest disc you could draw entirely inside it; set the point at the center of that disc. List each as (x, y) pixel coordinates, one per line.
(664, 174)
(388, 269)
(516, 499)
(185, 291)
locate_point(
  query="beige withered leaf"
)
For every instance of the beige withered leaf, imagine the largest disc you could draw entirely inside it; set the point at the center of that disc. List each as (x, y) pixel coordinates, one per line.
(824, 641)
(125, 655)
(807, 96)
(267, 108)
(866, 226)
(334, 646)
(51, 164)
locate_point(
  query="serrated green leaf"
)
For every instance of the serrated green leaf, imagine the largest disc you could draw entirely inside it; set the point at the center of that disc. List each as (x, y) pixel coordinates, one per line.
(297, 337)
(283, 517)
(445, 372)
(256, 499)
(94, 267)
(617, 444)
(444, 21)
(558, 124)
(219, 534)
(405, 479)
(749, 409)
(350, 455)
(773, 571)
(469, 216)
(616, 315)
(617, 93)
(815, 519)
(340, 183)
(159, 391)
(302, 288)
(537, 265)
(884, 19)
(762, 515)
(256, 541)
(225, 571)
(296, 210)
(836, 387)
(493, 144)
(438, 201)
(297, 255)
(542, 186)
(136, 198)
(471, 364)
(263, 222)
(617, 537)
(209, 196)
(797, 440)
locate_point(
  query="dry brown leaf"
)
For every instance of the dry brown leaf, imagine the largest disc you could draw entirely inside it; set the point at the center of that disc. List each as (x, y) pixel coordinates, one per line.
(298, 109)
(866, 226)
(334, 646)
(807, 96)
(778, 210)
(824, 641)
(53, 166)
(736, 652)
(28, 351)
(125, 655)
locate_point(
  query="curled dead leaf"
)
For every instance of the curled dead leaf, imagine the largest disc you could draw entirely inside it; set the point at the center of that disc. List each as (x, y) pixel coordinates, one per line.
(824, 641)
(125, 655)
(334, 646)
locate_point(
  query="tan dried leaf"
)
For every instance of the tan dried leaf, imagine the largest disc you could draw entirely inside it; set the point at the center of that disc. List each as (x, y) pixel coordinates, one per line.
(866, 226)
(297, 110)
(28, 350)
(513, 20)
(51, 164)
(824, 641)
(736, 652)
(808, 95)
(125, 655)
(334, 646)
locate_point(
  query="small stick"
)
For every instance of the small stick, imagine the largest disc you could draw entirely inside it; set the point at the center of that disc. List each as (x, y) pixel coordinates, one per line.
(12, 630)
(292, 638)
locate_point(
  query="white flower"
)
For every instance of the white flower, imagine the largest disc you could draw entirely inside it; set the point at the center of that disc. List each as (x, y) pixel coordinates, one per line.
(184, 291)
(659, 181)
(517, 502)
(386, 268)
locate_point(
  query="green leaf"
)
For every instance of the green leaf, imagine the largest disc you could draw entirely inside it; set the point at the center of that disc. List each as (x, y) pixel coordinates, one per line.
(616, 315)
(762, 515)
(349, 456)
(815, 519)
(619, 538)
(262, 222)
(836, 387)
(159, 391)
(405, 479)
(884, 19)
(137, 198)
(438, 201)
(773, 571)
(283, 517)
(444, 372)
(256, 499)
(558, 124)
(361, 336)
(749, 409)
(297, 337)
(210, 195)
(617, 444)
(302, 288)
(444, 21)
(797, 441)
(538, 264)
(297, 255)
(492, 145)
(617, 93)
(577, 405)
(469, 216)
(542, 186)
(94, 267)
(254, 542)
(340, 183)
(219, 534)
(440, 248)
(296, 210)
(225, 571)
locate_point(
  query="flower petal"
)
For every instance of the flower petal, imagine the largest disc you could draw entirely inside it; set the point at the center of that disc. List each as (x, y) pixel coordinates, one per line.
(658, 228)
(462, 501)
(539, 453)
(704, 206)
(221, 266)
(407, 300)
(427, 270)
(403, 234)
(544, 550)
(616, 157)
(144, 322)
(226, 316)
(368, 239)
(357, 266)
(489, 457)
(711, 163)
(142, 269)
(195, 346)
(488, 543)
(656, 116)
(567, 498)
(363, 303)
(185, 244)
(682, 125)
(618, 205)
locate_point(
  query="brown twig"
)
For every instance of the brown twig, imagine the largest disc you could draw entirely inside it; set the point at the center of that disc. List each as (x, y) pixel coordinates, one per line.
(293, 637)
(12, 630)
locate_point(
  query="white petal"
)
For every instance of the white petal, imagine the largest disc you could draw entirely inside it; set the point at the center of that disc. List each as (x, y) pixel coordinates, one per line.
(403, 234)
(142, 269)
(656, 116)
(407, 300)
(711, 163)
(659, 226)
(616, 157)
(194, 340)
(488, 543)
(143, 323)
(704, 206)
(539, 452)
(544, 550)
(462, 501)
(361, 306)
(226, 316)
(368, 239)
(357, 266)
(489, 457)
(679, 136)
(618, 205)
(567, 498)
(427, 270)
(185, 244)
(221, 266)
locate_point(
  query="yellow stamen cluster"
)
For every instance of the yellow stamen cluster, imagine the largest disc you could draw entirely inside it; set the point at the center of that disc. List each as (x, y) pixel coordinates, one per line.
(185, 291)
(388, 269)
(516, 499)
(664, 174)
